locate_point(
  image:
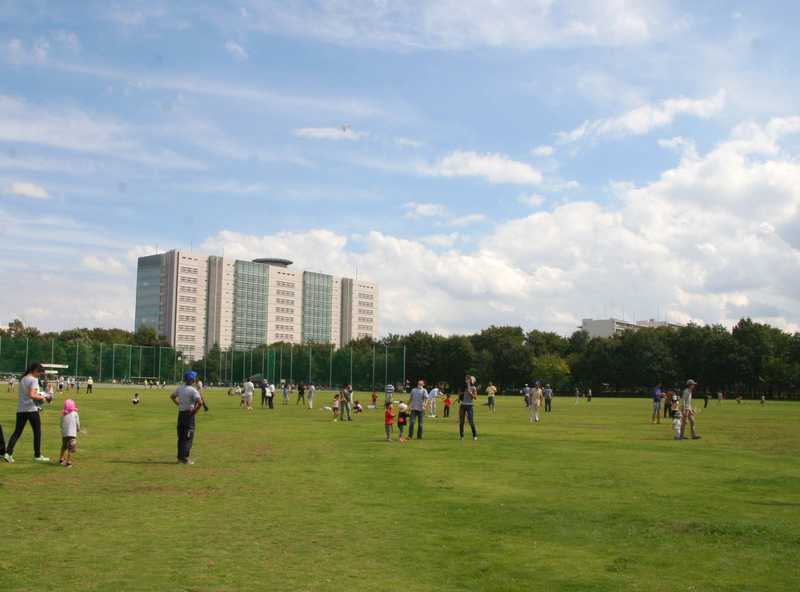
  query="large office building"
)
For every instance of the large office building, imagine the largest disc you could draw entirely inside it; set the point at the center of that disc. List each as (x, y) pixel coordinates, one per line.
(612, 326)
(199, 301)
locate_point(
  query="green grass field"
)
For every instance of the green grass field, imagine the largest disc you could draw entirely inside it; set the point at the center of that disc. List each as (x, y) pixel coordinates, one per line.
(592, 498)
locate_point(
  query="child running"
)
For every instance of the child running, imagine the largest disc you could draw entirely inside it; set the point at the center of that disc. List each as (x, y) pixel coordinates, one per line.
(388, 420)
(448, 402)
(70, 426)
(335, 407)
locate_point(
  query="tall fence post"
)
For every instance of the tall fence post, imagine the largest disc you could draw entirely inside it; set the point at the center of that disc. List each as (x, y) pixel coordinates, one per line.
(113, 361)
(373, 366)
(351, 365)
(100, 378)
(330, 369)
(309, 363)
(26, 353)
(386, 364)
(76, 361)
(291, 363)
(52, 351)
(404, 367)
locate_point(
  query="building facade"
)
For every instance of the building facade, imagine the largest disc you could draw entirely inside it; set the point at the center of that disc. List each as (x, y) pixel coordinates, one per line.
(199, 301)
(609, 327)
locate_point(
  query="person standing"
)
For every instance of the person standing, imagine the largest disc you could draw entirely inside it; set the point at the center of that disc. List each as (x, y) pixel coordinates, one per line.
(720, 396)
(248, 389)
(285, 393)
(345, 404)
(264, 388)
(418, 402)
(188, 400)
(657, 396)
(433, 395)
(706, 399)
(448, 402)
(30, 401)
(491, 393)
(312, 391)
(588, 395)
(388, 420)
(301, 394)
(466, 410)
(526, 392)
(687, 411)
(537, 397)
(577, 395)
(548, 399)
(388, 396)
(89, 385)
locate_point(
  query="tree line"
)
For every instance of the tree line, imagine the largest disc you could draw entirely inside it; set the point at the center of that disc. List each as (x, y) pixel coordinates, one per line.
(751, 358)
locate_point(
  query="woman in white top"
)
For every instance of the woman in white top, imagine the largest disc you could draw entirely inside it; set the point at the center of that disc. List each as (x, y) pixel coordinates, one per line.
(30, 401)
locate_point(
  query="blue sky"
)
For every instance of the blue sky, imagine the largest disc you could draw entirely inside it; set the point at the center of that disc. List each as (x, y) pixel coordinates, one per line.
(526, 162)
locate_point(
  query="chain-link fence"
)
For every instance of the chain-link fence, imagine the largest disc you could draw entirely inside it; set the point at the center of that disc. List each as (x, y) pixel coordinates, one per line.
(363, 366)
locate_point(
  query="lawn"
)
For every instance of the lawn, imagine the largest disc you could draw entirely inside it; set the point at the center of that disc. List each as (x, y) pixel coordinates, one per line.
(592, 498)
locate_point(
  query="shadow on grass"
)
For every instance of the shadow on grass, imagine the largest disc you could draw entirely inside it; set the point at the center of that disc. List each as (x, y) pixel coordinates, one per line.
(142, 462)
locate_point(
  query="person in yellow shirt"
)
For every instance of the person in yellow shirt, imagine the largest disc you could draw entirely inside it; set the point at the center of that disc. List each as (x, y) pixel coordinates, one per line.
(491, 392)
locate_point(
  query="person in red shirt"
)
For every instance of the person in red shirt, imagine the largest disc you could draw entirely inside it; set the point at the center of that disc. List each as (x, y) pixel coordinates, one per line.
(448, 402)
(388, 421)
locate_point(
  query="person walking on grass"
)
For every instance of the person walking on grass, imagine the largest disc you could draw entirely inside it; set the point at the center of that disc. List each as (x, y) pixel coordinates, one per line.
(312, 391)
(687, 410)
(466, 410)
(301, 394)
(706, 399)
(537, 399)
(28, 407)
(285, 393)
(388, 396)
(247, 395)
(526, 393)
(720, 396)
(189, 401)
(433, 395)
(418, 402)
(548, 399)
(345, 402)
(577, 395)
(657, 396)
(491, 394)
(70, 427)
(388, 420)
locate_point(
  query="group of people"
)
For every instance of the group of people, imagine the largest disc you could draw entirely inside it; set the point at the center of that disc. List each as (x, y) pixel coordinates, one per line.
(537, 397)
(31, 400)
(306, 393)
(412, 412)
(679, 408)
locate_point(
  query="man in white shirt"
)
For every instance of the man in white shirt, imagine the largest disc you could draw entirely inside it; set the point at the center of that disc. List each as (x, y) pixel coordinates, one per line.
(312, 392)
(687, 410)
(247, 396)
(432, 396)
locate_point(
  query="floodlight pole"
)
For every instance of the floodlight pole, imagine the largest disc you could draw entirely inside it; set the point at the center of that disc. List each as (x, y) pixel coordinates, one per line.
(291, 363)
(351, 365)
(130, 362)
(330, 369)
(159, 363)
(113, 360)
(281, 373)
(76, 361)
(309, 363)
(404, 367)
(100, 378)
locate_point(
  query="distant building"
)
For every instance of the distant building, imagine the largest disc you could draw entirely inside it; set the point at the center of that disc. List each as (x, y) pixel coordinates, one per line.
(612, 326)
(198, 301)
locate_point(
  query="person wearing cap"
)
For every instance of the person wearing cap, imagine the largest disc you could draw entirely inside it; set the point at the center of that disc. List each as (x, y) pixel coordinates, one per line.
(189, 401)
(687, 411)
(537, 396)
(402, 420)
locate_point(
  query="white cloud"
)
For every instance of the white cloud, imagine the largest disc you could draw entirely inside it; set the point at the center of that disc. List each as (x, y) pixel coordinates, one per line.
(645, 118)
(236, 51)
(17, 51)
(449, 24)
(25, 189)
(424, 210)
(534, 200)
(79, 131)
(344, 132)
(407, 142)
(543, 150)
(495, 168)
(466, 220)
(102, 264)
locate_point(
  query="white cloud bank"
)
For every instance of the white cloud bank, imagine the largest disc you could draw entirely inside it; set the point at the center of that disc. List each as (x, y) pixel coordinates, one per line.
(495, 168)
(645, 118)
(344, 132)
(451, 24)
(25, 189)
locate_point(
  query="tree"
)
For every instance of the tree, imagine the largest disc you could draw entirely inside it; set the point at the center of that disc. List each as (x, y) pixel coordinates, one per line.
(553, 370)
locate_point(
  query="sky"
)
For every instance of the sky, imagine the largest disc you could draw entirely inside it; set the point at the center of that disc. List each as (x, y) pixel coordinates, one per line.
(524, 162)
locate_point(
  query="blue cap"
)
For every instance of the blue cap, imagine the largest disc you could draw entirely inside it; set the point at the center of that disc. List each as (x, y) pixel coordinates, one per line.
(190, 375)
